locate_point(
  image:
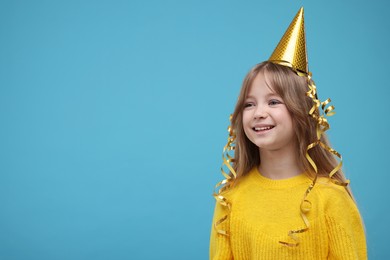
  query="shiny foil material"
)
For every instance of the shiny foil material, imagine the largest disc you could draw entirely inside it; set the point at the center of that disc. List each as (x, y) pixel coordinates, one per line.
(291, 50)
(230, 175)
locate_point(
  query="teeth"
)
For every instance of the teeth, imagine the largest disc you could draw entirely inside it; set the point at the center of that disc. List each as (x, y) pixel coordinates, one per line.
(263, 128)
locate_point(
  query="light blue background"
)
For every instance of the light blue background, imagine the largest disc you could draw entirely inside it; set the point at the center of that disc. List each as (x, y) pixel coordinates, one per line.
(114, 113)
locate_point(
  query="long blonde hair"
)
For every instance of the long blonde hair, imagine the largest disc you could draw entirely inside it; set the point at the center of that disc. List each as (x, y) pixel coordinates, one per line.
(299, 100)
(292, 89)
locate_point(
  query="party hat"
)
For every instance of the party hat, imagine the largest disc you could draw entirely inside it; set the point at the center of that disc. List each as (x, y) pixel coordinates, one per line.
(291, 50)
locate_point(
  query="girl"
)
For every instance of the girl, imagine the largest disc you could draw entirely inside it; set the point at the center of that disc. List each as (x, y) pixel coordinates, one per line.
(285, 196)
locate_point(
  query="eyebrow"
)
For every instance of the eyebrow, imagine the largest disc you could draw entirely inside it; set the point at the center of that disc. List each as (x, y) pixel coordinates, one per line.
(266, 96)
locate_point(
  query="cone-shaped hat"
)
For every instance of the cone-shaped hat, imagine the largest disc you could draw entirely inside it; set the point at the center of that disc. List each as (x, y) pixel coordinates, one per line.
(291, 50)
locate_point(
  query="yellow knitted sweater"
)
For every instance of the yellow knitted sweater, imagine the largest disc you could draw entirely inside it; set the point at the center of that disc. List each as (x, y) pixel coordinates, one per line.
(264, 210)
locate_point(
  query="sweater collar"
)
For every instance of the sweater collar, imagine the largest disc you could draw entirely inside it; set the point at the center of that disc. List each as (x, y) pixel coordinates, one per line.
(279, 184)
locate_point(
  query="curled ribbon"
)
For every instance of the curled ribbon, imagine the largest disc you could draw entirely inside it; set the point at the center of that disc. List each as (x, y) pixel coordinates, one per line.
(229, 174)
(322, 125)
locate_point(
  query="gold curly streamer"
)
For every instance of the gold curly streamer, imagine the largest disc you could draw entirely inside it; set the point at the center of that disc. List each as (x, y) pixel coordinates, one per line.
(304, 210)
(223, 185)
(321, 127)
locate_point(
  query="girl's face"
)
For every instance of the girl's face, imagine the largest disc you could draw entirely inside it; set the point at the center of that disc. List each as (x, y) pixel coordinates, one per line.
(266, 121)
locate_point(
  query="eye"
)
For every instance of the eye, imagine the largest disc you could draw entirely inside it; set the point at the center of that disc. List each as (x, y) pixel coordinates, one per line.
(248, 104)
(274, 102)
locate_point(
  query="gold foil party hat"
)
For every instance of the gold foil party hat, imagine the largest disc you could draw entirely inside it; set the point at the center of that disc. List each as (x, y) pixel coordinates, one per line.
(291, 50)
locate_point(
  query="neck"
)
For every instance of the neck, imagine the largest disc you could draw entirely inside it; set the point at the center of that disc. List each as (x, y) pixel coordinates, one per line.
(279, 164)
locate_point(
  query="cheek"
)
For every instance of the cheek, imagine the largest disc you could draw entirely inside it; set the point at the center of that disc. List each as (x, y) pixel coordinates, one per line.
(245, 118)
(286, 116)
(290, 121)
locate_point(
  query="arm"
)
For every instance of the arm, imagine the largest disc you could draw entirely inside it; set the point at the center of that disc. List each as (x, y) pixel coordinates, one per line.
(220, 244)
(345, 227)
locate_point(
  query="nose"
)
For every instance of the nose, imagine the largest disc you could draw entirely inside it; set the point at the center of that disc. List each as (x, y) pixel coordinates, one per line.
(260, 112)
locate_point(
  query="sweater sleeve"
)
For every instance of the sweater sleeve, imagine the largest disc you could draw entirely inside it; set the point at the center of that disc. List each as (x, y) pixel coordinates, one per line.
(345, 227)
(220, 244)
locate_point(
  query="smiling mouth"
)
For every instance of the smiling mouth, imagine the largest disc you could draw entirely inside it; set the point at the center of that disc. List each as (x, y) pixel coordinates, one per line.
(263, 128)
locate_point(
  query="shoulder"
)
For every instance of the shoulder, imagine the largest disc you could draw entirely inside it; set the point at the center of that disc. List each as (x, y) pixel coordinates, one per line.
(335, 198)
(241, 186)
(343, 221)
(326, 186)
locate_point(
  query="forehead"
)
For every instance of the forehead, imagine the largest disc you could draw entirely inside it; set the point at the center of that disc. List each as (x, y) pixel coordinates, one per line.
(261, 85)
